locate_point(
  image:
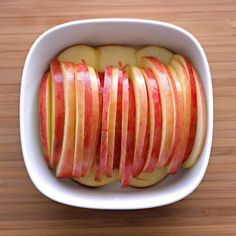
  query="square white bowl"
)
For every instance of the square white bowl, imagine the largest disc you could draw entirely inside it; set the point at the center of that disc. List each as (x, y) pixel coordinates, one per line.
(95, 32)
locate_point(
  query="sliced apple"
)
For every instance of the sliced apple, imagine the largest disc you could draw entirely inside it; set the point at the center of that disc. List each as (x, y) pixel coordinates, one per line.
(155, 120)
(78, 53)
(113, 126)
(127, 133)
(90, 181)
(113, 55)
(65, 164)
(92, 120)
(193, 100)
(117, 148)
(167, 105)
(57, 111)
(81, 77)
(44, 115)
(103, 158)
(149, 179)
(201, 125)
(161, 54)
(141, 119)
(180, 129)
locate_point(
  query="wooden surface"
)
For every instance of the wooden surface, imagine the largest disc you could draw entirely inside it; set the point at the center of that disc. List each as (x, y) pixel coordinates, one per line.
(210, 210)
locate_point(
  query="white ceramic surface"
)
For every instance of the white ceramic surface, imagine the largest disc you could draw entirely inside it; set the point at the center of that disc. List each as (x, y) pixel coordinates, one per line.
(100, 32)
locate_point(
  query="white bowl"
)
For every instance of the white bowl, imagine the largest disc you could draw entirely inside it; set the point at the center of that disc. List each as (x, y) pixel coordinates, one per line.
(101, 32)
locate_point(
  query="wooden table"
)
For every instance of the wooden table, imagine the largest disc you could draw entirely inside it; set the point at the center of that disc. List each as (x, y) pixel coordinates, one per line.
(210, 210)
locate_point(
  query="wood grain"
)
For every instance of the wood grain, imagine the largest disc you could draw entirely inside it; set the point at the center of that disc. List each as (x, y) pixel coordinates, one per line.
(210, 210)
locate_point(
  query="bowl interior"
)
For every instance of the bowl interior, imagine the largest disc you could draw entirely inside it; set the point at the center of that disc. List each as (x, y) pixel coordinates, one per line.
(103, 32)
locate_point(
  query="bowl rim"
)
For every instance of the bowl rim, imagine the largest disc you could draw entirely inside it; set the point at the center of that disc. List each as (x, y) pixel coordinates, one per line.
(42, 187)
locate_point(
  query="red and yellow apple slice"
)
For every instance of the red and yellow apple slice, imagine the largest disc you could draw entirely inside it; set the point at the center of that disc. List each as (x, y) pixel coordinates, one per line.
(145, 180)
(127, 132)
(103, 157)
(113, 55)
(180, 112)
(155, 120)
(114, 126)
(65, 164)
(57, 111)
(167, 107)
(201, 125)
(141, 120)
(77, 54)
(190, 81)
(81, 75)
(92, 120)
(161, 54)
(44, 115)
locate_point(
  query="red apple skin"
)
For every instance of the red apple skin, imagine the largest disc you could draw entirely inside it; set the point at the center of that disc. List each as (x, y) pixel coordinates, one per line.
(128, 132)
(166, 150)
(193, 108)
(142, 127)
(93, 126)
(43, 103)
(81, 71)
(103, 158)
(180, 124)
(65, 164)
(118, 128)
(153, 92)
(59, 113)
(201, 125)
(176, 132)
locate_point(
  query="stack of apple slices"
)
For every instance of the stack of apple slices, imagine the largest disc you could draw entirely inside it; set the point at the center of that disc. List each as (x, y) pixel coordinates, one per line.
(100, 122)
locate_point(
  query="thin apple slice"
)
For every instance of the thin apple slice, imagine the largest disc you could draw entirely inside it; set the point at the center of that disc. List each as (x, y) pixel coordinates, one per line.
(90, 180)
(113, 136)
(81, 77)
(127, 133)
(113, 55)
(155, 118)
(145, 180)
(57, 111)
(201, 125)
(44, 115)
(78, 53)
(180, 112)
(193, 98)
(161, 54)
(103, 158)
(92, 121)
(141, 120)
(167, 105)
(65, 164)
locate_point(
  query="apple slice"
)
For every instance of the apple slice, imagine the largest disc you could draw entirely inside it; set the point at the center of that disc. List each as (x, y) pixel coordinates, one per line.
(92, 120)
(65, 164)
(167, 107)
(90, 180)
(114, 126)
(127, 133)
(161, 54)
(113, 55)
(81, 77)
(182, 119)
(141, 120)
(103, 158)
(193, 102)
(57, 111)
(44, 114)
(155, 118)
(78, 53)
(145, 180)
(201, 125)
